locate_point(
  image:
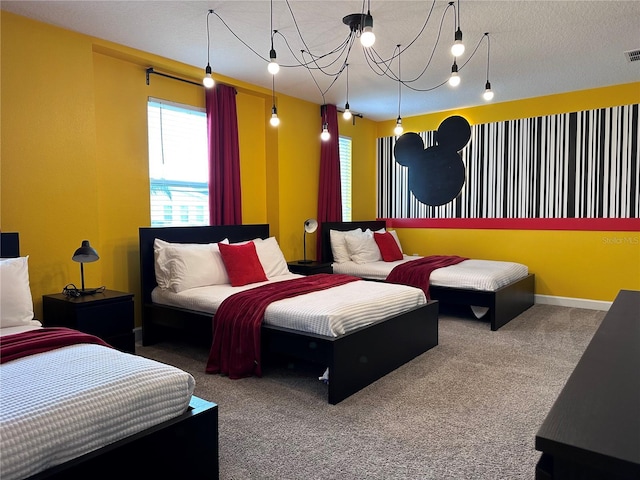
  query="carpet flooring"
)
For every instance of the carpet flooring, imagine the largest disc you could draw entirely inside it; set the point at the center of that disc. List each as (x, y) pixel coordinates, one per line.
(467, 409)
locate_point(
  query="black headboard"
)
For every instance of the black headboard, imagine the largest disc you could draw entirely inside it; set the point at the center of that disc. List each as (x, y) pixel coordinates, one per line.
(9, 245)
(325, 227)
(208, 234)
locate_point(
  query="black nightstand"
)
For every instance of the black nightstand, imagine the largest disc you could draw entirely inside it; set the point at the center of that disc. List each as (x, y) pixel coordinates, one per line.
(309, 268)
(108, 315)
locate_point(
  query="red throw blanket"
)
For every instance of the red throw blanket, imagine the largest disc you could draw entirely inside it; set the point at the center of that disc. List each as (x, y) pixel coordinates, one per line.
(20, 345)
(235, 350)
(416, 273)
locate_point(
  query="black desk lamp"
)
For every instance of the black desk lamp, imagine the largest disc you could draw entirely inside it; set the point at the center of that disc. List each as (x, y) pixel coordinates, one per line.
(310, 226)
(85, 254)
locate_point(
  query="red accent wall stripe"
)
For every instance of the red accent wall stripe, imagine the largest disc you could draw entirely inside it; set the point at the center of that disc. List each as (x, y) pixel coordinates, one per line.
(584, 224)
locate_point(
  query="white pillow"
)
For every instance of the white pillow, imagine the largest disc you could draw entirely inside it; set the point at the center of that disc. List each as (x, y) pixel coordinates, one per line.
(395, 235)
(180, 266)
(16, 303)
(339, 246)
(271, 257)
(363, 247)
(160, 263)
(255, 241)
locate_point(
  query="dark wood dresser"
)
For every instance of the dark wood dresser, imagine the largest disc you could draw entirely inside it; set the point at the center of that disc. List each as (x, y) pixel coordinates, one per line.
(593, 429)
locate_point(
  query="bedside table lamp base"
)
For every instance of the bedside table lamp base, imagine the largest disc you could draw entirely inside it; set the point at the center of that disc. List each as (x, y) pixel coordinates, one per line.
(89, 291)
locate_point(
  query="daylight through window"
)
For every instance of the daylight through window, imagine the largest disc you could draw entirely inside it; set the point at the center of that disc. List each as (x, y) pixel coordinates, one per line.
(345, 177)
(178, 165)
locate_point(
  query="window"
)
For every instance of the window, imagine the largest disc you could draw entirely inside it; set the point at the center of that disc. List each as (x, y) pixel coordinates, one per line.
(178, 164)
(345, 177)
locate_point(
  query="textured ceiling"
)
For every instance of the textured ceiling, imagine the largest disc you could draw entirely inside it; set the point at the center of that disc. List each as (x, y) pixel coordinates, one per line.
(537, 47)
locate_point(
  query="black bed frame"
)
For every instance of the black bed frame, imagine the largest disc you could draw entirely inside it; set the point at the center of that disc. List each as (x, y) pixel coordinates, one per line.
(182, 447)
(504, 304)
(355, 359)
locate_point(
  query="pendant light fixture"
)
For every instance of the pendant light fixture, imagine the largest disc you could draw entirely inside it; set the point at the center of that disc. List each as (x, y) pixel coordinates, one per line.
(488, 93)
(454, 79)
(347, 113)
(273, 66)
(367, 37)
(457, 48)
(362, 25)
(397, 131)
(208, 81)
(325, 135)
(274, 120)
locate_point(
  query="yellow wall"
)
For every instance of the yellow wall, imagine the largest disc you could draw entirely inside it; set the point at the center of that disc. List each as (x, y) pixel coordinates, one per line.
(74, 166)
(363, 173)
(579, 264)
(75, 158)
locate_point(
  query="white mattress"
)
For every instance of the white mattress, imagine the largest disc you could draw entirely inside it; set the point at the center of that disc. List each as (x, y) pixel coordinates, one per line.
(329, 312)
(61, 404)
(485, 275)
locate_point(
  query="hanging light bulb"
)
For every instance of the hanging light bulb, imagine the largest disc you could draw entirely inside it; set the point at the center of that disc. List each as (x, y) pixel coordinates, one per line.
(208, 81)
(325, 135)
(397, 131)
(488, 93)
(457, 48)
(367, 37)
(454, 79)
(274, 120)
(347, 113)
(273, 66)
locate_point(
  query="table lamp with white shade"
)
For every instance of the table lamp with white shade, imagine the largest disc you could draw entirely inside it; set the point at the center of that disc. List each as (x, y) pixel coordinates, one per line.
(310, 226)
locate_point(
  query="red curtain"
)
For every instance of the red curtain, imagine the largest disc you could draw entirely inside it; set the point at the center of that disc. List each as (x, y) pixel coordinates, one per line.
(329, 191)
(225, 207)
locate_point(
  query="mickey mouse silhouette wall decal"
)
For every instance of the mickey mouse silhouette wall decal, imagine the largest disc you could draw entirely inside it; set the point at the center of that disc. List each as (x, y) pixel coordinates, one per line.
(436, 174)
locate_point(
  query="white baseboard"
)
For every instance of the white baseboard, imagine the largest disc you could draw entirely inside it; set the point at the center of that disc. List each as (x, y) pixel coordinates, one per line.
(573, 302)
(138, 334)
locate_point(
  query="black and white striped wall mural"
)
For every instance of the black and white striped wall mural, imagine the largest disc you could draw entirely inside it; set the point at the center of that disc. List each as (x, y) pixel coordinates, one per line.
(573, 165)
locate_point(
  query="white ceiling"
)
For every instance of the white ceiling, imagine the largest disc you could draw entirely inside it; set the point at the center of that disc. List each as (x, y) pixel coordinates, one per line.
(537, 47)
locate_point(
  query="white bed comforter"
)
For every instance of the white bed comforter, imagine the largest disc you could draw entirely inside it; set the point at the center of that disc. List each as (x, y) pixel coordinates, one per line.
(331, 312)
(61, 404)
(485, 275)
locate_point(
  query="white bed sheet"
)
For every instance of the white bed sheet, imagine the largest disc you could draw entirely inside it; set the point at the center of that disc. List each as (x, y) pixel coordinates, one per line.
(61, 404)
(18, 328)
(485, 275)
(331, 312)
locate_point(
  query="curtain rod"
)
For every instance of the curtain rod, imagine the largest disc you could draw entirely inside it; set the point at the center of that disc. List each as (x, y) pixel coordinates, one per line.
(151, 71)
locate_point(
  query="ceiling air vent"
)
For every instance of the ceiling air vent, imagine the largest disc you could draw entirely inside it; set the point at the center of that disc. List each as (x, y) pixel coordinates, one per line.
(632, 55)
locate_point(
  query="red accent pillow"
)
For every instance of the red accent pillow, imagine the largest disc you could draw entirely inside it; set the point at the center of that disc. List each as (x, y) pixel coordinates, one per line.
(388, 246)
(242, 264)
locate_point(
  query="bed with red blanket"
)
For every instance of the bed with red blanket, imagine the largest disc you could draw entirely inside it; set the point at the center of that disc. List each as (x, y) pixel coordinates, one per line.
(499, 290)
(73, 407)
(355, 354)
